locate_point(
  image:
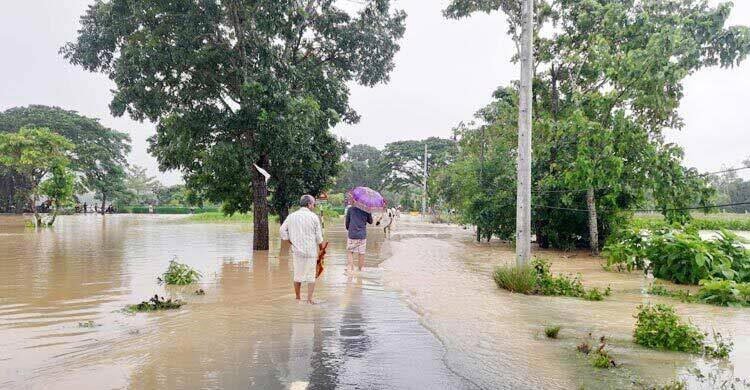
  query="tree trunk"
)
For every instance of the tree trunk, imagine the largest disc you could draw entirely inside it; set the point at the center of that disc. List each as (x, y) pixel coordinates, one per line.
(260, 207)
(283, 213)
(593, 225)
(479, 234)
(104, 201)
(54, 216)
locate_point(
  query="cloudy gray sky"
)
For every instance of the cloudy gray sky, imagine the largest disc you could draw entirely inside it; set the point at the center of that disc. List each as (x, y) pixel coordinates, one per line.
(445, 71)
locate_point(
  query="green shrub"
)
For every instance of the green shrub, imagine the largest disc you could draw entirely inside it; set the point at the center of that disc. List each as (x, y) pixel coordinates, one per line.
(593, 295)
(682, 295)
(723, 292)
(552, 331)
(685, 258)
(659, 327)
(516, 279)
(180, 274)
(625, 249)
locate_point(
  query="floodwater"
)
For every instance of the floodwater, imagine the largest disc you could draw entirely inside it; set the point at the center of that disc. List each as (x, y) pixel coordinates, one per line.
(496, 338)
(247, 331)
(425, 314)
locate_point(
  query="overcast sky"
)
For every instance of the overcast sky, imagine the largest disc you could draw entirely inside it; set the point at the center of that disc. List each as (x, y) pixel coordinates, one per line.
(445, 71)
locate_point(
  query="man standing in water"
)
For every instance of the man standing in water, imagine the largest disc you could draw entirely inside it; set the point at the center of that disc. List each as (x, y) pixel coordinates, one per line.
(302, 228)
(356, 227)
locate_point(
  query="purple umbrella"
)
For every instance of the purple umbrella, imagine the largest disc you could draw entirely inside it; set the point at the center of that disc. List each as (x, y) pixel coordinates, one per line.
(366, 199)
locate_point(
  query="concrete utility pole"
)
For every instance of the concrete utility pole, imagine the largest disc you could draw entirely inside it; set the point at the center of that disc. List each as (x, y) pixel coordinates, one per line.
(523, 195)
(424, 184)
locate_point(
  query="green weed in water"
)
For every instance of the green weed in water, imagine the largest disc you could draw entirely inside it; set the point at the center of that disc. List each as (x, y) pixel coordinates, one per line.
(156, 303)
(659, 327)
(552, 331)
(180, 274)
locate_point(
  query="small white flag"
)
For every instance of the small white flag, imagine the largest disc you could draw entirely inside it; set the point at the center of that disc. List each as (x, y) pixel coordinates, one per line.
(263, 172)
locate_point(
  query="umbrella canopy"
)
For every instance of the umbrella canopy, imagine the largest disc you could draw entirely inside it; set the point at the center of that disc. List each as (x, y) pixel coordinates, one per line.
(366, 199)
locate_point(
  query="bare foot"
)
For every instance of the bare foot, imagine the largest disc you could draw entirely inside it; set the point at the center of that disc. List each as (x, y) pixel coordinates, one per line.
(312, 302)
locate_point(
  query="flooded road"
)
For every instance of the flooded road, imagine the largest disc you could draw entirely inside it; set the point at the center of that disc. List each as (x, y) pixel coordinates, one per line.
(245, 332)
(425, 314)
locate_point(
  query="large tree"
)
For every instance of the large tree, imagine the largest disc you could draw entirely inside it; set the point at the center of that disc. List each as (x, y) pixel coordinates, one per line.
(221, 78)
(37, 154)
(404, 160)
(98, 156)
(608, 81)
(362, 166)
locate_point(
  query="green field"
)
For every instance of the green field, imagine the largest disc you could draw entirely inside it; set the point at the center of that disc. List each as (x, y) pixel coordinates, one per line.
(701, 221)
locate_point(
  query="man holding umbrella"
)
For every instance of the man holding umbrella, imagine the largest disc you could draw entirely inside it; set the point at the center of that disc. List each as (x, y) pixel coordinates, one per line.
(363, 201)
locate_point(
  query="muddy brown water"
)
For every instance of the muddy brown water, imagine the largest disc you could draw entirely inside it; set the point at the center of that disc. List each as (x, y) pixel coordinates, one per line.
(424, 314)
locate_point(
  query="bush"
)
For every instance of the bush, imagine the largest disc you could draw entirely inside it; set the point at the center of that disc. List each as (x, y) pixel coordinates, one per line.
(659, 327)
(514, 279)
(724, 292)
(680, 256)
(180, 274)
(552, 331)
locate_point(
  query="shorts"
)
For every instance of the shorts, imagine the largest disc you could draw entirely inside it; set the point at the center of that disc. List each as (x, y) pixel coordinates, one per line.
(304, 269)
(356, 246)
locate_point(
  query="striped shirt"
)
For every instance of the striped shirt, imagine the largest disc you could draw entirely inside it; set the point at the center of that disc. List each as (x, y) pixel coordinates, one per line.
(303, 229)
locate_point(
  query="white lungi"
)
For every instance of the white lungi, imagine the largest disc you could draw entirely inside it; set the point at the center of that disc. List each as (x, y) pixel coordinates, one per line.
(304, 269)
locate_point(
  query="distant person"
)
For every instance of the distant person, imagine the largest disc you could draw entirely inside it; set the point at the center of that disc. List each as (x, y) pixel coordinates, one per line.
(387, 219)
(85, 208)
(302, 228)
(356, 243)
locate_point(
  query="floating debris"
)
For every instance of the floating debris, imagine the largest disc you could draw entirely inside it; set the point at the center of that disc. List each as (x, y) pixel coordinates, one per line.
(156, 303)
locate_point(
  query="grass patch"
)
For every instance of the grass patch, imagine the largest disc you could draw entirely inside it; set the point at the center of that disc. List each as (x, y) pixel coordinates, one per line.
(537, 279)
(179, 274)
(516, 279)
(718, 221)
(552, 331)
(154, 304)
(219, 217)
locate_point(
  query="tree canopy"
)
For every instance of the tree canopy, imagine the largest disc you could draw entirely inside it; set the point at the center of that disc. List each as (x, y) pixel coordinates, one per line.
(223, 80)
(99, 153)
(608, 81)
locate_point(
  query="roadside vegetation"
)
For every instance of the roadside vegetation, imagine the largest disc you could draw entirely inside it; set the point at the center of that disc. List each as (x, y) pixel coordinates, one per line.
(699, 221)
(537, 279)
(721, 267)
(219, 217)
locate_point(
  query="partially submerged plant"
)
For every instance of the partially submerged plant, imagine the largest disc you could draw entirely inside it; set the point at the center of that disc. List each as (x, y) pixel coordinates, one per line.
(179, 274)
(515, 279)
(601, 357)
(552, 331)
(156, 303)
(719, 347)
(200, 292)
(659, 327)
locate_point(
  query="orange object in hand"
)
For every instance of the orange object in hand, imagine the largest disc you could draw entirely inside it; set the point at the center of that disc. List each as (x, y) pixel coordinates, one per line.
(321, 256)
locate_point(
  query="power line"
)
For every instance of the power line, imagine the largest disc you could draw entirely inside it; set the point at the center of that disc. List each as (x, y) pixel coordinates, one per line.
(725, 171)
(650, 210)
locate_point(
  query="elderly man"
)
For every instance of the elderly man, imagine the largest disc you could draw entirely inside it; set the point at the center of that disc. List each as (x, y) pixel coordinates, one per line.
(302, 228)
